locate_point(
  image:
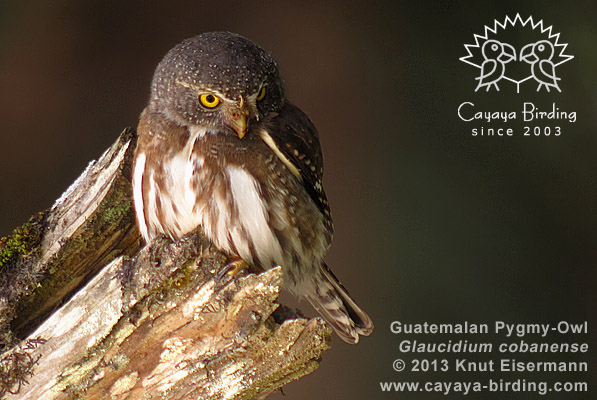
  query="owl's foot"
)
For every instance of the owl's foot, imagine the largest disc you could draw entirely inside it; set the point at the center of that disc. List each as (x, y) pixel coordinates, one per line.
(233, 268)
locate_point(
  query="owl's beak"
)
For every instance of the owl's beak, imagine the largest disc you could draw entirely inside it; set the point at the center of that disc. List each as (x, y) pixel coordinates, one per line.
(238, 122)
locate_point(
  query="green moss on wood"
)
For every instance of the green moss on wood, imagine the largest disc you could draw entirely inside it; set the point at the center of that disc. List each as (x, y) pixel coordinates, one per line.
(21, 241)
(81, 257)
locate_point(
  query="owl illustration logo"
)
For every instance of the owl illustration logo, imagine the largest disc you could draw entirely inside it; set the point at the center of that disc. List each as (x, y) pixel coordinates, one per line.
(500, 63)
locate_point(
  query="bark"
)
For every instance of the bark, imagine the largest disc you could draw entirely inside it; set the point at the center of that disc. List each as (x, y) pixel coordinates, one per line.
(85, 314)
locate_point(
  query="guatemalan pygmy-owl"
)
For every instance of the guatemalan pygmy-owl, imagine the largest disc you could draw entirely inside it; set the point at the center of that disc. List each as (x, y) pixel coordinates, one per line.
(221, 147)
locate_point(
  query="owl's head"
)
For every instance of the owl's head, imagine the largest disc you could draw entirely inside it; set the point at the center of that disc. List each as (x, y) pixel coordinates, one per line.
(217, 79)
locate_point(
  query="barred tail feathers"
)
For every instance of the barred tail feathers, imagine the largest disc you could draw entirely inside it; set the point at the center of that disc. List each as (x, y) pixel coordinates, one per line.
(332, 301)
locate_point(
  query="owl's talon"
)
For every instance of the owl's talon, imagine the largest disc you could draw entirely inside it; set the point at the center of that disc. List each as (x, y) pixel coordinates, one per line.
(232, 268)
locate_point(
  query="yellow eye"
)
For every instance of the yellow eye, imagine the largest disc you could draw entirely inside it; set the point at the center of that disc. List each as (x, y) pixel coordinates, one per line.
(261, 94)
(208, 100)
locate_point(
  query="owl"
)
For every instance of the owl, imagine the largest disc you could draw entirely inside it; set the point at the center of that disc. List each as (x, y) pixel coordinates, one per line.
(221, 148)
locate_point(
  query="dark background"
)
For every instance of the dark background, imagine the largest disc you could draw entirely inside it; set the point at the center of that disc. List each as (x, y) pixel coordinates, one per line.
(432, 224)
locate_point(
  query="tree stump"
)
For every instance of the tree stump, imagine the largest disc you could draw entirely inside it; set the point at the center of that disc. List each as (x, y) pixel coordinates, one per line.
(86, 313)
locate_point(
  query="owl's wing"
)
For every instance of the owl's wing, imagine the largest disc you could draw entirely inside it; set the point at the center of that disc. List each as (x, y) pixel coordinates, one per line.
(297, 139)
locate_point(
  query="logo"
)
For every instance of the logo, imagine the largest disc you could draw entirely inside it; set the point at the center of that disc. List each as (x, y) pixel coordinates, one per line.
(500, 63)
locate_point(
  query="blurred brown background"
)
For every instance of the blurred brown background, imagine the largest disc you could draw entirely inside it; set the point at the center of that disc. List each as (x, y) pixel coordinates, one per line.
(431, 223)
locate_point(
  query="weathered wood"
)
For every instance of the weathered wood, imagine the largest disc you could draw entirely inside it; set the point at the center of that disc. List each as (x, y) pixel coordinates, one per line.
(91, 223)
(165, 323)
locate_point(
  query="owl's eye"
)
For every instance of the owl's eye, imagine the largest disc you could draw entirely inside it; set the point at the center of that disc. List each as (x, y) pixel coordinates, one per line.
(208, 100)
(261, 94)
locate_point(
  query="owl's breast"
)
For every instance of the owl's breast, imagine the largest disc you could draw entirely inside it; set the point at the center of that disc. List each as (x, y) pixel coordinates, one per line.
(244, 198)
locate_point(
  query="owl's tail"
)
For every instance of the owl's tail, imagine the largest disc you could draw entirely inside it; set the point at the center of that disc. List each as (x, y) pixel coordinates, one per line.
(332, 301)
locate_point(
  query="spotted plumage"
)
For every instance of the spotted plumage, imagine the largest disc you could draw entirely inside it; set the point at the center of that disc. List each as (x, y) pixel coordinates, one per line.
(222, 148)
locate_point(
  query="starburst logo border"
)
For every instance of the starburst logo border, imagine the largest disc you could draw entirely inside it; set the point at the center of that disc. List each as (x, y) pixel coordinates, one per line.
(480, 39)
